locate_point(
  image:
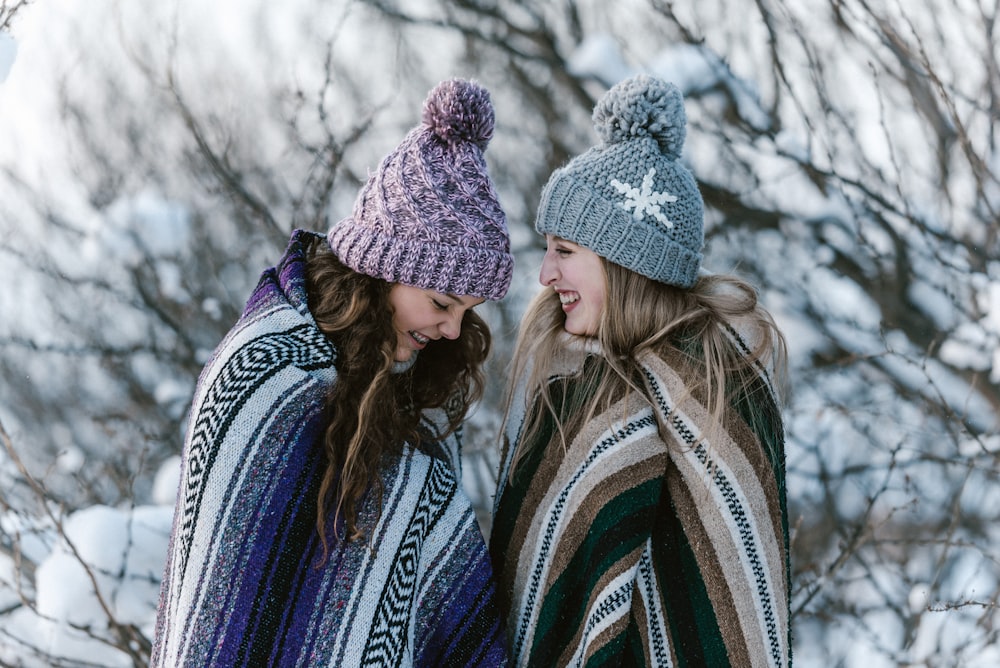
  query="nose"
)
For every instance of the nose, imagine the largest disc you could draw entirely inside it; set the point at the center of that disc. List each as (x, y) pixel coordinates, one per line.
(451, 327)
(548, 274)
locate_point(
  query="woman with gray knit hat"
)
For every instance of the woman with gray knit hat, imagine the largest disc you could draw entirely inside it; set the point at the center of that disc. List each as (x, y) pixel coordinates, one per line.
(640, 514)
(320, 519)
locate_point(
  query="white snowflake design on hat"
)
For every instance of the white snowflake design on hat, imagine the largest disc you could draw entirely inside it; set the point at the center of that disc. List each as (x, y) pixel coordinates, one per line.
(642, 201)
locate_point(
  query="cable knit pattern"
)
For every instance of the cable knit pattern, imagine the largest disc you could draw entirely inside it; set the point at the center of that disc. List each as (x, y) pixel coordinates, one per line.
(244, 583)
(640, 544)
(630, 200)
(429, 216)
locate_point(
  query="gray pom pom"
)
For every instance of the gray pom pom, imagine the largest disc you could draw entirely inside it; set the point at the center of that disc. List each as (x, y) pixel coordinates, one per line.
(643, 106)
(458, 110)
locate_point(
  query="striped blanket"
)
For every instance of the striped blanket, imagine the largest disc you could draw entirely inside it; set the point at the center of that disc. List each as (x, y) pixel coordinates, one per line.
(245, 583)
(639, 545)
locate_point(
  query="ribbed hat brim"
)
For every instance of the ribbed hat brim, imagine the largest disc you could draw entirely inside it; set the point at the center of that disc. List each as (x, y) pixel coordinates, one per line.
(444, 268)
(573, 210)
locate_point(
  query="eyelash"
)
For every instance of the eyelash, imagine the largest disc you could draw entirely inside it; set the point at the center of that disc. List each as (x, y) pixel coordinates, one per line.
(438, 305)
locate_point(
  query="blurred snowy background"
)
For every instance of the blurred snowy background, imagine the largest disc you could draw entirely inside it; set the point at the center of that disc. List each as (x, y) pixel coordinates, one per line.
(154, 157)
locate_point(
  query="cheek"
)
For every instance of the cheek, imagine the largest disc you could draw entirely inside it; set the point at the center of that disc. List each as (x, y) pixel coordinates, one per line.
(594, 314)
(403, 318)
(595, 295)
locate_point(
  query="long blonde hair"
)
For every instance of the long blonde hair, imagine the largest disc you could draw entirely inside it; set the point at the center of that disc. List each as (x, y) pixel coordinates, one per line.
(640, 316)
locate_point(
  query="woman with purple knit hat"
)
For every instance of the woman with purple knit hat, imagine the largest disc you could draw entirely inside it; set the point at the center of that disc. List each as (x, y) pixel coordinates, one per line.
(320, 519)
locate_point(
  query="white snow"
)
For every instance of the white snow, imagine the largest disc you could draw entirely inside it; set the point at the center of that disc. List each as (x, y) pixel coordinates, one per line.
(122, 549)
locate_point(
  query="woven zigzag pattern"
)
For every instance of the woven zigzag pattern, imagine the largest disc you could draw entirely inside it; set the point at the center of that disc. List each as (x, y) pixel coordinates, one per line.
(658, 640)
(393, 612)
(246, 582)
(655, 548)
(739, 516)
(249, 367)
(557, 516)
(612, 604)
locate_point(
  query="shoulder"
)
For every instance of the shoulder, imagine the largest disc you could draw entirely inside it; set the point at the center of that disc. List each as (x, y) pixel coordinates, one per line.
(259, 369)
(276, 341)
(666, 366)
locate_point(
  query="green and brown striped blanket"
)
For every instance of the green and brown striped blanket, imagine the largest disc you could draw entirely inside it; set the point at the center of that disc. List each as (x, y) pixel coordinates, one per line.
(644, 545)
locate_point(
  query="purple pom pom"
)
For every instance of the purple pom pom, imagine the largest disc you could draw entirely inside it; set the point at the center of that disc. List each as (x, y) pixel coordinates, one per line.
(460, 111)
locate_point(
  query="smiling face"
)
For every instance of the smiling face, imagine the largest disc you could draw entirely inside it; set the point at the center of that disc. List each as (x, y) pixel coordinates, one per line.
(576, 274)
(421, 316)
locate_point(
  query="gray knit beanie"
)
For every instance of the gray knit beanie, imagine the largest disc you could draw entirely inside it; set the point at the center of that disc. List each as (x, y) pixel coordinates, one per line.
(630, 200)
(429, 216)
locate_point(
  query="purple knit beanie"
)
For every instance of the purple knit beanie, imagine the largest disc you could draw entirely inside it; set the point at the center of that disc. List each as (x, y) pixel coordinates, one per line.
(429, 216)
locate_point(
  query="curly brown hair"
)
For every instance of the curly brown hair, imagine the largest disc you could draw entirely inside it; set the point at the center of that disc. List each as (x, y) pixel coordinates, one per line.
(371, 411)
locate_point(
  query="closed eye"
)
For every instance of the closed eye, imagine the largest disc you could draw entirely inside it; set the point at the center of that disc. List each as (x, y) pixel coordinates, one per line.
(561, 251)
(439, 306)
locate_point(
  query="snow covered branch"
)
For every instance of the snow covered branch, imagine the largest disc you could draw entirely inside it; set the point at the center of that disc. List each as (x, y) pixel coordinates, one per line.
(848, 152)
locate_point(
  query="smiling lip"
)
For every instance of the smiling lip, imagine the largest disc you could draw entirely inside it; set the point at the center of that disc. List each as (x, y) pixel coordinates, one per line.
(568, 299)
(419, 339)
